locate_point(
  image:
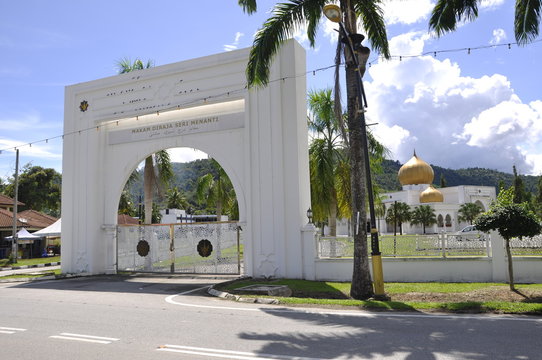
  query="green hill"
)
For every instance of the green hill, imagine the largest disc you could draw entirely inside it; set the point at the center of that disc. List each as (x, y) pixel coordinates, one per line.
(471, 176)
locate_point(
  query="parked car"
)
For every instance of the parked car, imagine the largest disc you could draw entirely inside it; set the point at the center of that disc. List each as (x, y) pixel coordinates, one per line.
(468, 233)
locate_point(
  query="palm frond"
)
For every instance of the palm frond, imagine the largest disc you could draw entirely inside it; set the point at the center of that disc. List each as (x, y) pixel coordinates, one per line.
(527, 20)
(286, 18)
(163, 164)
(372, 18)
(249, 6)
(447, 13)
(125, 65)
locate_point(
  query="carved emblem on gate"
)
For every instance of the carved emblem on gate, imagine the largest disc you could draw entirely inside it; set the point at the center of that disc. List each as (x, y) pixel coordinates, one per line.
(143, 248)
(83, 106)
(205, 248)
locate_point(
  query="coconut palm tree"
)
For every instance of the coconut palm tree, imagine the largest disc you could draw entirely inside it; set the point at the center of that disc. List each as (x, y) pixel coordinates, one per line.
(468, 212)
(158, 170)
(398, 213)
(216, 190)
(424, 215)
(447, 14)
(176, 199)
(289, 16)
(324, 157)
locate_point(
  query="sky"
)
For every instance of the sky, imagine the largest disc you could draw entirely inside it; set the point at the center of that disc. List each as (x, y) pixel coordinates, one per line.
(456, 109)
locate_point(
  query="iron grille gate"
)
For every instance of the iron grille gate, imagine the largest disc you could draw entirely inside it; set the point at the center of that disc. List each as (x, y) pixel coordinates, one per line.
(195, 248)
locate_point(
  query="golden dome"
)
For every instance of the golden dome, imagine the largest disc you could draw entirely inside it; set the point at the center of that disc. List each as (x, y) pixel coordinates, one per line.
(431, 195)
(415, 171)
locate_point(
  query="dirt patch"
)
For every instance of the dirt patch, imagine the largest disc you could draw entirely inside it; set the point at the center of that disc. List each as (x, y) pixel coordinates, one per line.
(494, 293)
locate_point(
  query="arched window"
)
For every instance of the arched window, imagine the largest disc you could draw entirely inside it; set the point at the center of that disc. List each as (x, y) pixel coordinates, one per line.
(448, 220)
(440, 221)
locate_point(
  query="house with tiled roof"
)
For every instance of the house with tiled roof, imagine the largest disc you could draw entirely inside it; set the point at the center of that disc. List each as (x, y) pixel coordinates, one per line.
(7, 203)
(31, 220)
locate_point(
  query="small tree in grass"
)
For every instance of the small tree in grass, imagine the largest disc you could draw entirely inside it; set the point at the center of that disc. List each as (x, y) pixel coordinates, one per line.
(510, 220)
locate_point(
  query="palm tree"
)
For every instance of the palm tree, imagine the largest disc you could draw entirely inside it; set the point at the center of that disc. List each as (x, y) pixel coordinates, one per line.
(158, 170)
(398, 213)
(216, 190)
(324, 157)
(176, 199)
(448, 13)
(423, 214)
(285, 18)
(126, 205)
(468, 212)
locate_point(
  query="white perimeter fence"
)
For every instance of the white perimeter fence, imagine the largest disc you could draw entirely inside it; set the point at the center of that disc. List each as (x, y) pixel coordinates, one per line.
(442, 257)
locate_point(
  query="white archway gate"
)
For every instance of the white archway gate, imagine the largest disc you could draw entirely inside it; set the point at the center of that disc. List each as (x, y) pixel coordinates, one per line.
(259, 136)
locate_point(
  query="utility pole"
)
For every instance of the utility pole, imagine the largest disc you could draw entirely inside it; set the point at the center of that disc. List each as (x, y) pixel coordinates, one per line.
(14, 249)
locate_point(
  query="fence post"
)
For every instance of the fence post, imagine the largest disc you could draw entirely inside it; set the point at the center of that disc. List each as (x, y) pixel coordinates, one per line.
(110, 236)
(238, 249)
(308, 236)
(444, 238)
(172, 247)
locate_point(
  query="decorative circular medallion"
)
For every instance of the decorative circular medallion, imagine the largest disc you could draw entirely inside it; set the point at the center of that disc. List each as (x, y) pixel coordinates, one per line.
(143, 248)
(83, 106)
(205, 248)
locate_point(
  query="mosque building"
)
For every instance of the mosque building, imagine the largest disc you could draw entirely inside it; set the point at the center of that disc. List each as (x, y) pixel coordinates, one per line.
(416, 177)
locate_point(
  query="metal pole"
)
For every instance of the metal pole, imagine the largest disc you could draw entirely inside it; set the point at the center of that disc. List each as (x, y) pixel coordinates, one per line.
(14, 247)
(375, 251)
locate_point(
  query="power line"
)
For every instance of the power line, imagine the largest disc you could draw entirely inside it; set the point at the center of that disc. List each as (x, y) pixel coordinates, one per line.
(226, 94)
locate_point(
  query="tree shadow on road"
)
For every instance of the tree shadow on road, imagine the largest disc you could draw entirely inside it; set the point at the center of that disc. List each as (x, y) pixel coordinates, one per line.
(399, 336)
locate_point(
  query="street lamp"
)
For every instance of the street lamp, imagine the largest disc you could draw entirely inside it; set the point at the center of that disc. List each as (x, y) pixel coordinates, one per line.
(309, 215)
(353, 41)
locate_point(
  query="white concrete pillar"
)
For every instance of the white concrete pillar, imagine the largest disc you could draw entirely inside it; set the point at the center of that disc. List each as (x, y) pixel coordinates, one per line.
(498, 258)
(309, 238)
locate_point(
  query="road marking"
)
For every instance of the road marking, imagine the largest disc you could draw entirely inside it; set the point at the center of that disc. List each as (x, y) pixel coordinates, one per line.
(228, 354)
(352, 313)
(10, 330)
(85, 338)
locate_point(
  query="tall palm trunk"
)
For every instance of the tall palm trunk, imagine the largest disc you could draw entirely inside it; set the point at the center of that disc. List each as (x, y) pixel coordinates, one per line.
(333, 214)
(361, 278)
(148, 178)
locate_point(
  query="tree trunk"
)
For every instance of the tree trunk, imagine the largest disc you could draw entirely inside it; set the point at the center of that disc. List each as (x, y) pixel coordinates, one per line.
(362, 287)
(510, 265)
(333, 215)
(400, 228)
(148, 176)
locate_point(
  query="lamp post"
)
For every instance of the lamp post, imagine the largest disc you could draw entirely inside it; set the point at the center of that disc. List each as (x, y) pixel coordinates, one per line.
(353, 41)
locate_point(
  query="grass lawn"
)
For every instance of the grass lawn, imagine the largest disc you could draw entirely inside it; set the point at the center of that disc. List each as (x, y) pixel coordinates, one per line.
(31, 276)
(447, 297)
(21, 262)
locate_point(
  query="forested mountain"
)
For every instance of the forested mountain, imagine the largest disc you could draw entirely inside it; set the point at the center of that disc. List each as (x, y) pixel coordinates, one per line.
(471, 176)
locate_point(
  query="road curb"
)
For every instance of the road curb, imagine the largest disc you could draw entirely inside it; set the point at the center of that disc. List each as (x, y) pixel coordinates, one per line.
(29, 266)
(226, 295)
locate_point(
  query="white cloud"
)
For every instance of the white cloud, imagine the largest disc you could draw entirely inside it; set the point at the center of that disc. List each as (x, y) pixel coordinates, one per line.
(40, 150)
(452, 120)
(183, 155)
(26, 121)
(498, 36)
(235, 44)
(406, 11)
(490, 4)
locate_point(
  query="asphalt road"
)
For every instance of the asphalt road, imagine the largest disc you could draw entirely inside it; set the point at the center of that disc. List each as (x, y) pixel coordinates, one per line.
(168, 318)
